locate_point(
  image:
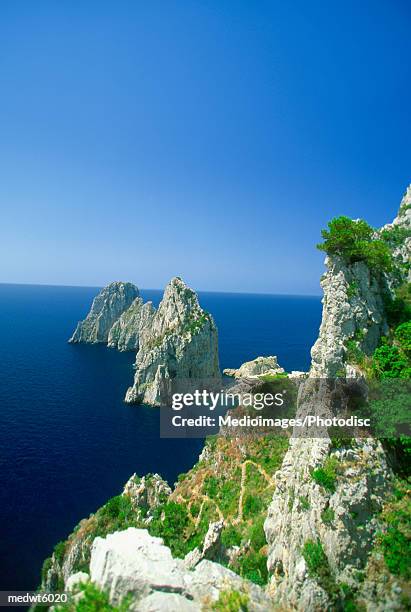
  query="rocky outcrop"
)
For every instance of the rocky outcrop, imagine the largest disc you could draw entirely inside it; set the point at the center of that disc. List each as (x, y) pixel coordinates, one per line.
(180, 344)
(147, 493)
(211, 547)
(126, 331)
(106, 308)
(256, 368)
(353, 309)
(134, 564)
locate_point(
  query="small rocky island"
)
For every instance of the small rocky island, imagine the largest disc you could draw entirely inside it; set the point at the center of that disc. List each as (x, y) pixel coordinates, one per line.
(179, 341)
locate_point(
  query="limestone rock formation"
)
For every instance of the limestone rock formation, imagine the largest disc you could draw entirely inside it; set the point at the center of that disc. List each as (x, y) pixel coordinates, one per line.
(133, 563)
(181, 343)
(126, 331)
(106, 308)
(210, 548)
(255, 368)
(147, 492)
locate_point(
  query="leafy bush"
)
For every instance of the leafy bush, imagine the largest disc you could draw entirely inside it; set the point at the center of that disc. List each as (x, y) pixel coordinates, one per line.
(314, 557)
(353, 241)
(257, 534)
(326, 476)
(403, 337)
(396, 235)
(92, 599)
(328, 516)
(399, 309)
(397, 552)
(253, 566)
(231, 601)
(388, 362)
(59, 550)
(395, 543)
(252, 505)
(230, 537)
(211, 486)
(304, 503)
(353, 352)
(170, 522)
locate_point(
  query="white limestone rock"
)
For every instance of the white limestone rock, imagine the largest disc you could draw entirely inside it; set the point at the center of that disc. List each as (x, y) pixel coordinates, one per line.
(256, 368)
(166, 602)
(147, 492)
(126, 331)
(106, 308)
(76, 580)
(134, 562)
(209, 579)
(180, 344)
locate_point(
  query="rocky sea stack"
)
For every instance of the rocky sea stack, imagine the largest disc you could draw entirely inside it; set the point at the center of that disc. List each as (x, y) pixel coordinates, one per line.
(181, 342)
(106, 308)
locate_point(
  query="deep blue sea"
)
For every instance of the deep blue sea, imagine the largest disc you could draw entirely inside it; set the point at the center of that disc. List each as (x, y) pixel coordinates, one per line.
(67, 440)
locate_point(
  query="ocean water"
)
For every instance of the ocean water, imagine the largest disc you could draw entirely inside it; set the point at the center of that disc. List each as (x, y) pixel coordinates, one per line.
(67, 440)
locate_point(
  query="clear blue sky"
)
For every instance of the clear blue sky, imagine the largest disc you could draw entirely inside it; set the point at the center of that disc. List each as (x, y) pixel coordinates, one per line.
(207, 139)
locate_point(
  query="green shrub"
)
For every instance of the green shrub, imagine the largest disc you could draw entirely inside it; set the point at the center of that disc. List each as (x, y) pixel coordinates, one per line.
(388, 362)
(170, 522)
(353, 241)
(353, 352)
(211, 486)
(252, 505)
(253, 566)
(396, 235)
(314, 557)
(396, 548)
(403, 337)
(59, 550)
(395, 542)
(304, 503)
(398, 310)
(230, 537)
(328, 516)
(257, 534)
(352, 289)
(45, 568)
(326, 476)
(231, 601)
(93, 599)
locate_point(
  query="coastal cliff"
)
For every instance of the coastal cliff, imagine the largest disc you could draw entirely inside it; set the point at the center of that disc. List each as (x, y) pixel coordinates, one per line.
(106, 308)
(181, 342)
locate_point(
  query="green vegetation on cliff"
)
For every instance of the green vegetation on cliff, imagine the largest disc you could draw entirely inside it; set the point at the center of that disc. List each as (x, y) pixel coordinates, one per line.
(355, 241)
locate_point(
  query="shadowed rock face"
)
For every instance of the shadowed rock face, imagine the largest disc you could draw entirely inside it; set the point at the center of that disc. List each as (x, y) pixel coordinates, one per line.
(126, 331)
(180, 343)
(106, 308)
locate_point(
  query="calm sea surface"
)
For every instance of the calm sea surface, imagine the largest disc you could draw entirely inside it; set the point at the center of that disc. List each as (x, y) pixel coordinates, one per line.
(67, 440)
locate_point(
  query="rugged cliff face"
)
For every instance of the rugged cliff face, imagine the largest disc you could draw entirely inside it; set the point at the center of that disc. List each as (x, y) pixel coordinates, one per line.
(323, 520)
(106, 308)
(126, 331)
(354, 299)
(181, 342)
